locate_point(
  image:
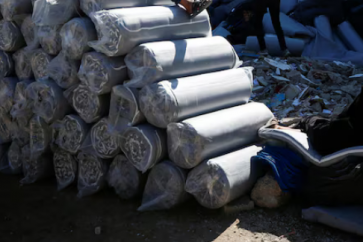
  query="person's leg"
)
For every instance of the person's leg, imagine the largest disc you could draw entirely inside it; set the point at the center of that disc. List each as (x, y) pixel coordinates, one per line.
(274, 6)
(259, 28)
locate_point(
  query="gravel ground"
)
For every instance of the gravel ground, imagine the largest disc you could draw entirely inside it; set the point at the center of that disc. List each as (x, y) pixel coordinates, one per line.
(38, 213)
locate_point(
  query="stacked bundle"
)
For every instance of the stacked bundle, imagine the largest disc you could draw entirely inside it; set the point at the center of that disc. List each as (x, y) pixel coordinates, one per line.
(135, 103)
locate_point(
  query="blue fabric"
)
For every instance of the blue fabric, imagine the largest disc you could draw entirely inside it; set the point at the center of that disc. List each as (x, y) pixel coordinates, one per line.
(289, 168)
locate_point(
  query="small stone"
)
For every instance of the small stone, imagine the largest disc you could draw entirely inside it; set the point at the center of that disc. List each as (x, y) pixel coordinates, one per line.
(98, 230)
(317, 107)
(325, 96)
(262, 81)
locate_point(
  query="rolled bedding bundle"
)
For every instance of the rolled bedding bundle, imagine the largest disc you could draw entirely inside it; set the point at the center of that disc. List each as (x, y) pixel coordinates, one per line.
(55, 12)
(92, 172)
(22, 110)
(7, 127)
(30, 33)
(63, 70)
(48, 100)
(22, 63)
(177, 99)
(14, 157)
(11, 38)
(65, 167)
(210, 135)
(39, 62)
(125, 179)
(36, 169)
(164, 187)
(21, 132)
(72, 132)
(6, 64)
(75, 36)
(89, 6)
(49, 39)
(100, 73)
(89, 106)
(40, 137)
(144, 146)
(125, 104)
(7, 91)
(158, 61)
(13, 9)
(121, 30)
(220, 180)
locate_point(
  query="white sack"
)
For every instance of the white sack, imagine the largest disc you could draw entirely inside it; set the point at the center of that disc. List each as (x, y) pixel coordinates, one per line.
(30, 33)
(39, 62)
(22, 63)
(49, 38)
(6, 64)
(65, 167)
(11, 38)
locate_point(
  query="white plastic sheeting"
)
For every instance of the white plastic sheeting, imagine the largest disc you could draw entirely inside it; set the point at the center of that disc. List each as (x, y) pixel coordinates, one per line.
(49, 38)
(100, 73)
(121, 30)
(152, 62)
(210, 135)
(23, 68)
(125, 104)
(65, 167)
(6, 64)
(144, 146)
(11, 38)
(164, 188)
(75, 36)
(220, 180)
(39, 62)
(125, 179)
(12, 10)
(63, 70)
(30, 33)
(171, 101)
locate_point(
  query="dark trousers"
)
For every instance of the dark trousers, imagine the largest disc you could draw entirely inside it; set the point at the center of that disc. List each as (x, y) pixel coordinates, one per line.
(260, 10)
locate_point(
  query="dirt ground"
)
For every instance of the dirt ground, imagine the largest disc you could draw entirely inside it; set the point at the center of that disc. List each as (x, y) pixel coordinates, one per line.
(38, 213)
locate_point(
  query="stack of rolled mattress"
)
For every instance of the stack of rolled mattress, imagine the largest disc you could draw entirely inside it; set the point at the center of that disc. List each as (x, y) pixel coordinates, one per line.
(137, 95)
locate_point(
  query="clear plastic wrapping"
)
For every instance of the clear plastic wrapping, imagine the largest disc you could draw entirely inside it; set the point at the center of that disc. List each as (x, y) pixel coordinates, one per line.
(36, 169)
(89, 6)
(13, 9)
(6, 64)
(22, 110)
(11, 38)
(23, 68)
(4, 163)
(152, 62)
(65, 167)
(177, 99)
(64, 70)
(30, 33)
(100, 73)
(15, 158)
(92, 172)
(21, 132)
(54, 12)
(218, 181)
(125, 179)
(40, 137)
(121, 30)
(144, 146)
(164, 187)
(89, 106)
(49, 39)
(75, 36)
(39, 62)
(7, 90)
(7, 127)
(210, 135)
(48, 100)
(125, 104)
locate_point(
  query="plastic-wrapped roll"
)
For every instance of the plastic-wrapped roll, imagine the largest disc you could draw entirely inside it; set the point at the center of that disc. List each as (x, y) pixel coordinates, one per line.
(13, 9)
(21, 133)
(125, 104)
(22, 110)
(6, 64)
(64, 70)
(7, 90)
(121, 30)
(100, 73)
(75, 36)
(210, 135)
(49, 39)
(39, 62)
(48, 100)
(218, 181)
(152, 62)
(55, 12)
(15, 158)
(164, 187)
(23, 68)
(40, 136)
(125, 179)
(177, 99)
(4, 163)
(65, 167)
(30, 33)
(89, 106)
(6, 127)
(144, 146)
(72, 133)
(92, 172)
(36, 169)
(11, 38)
(89, 6)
